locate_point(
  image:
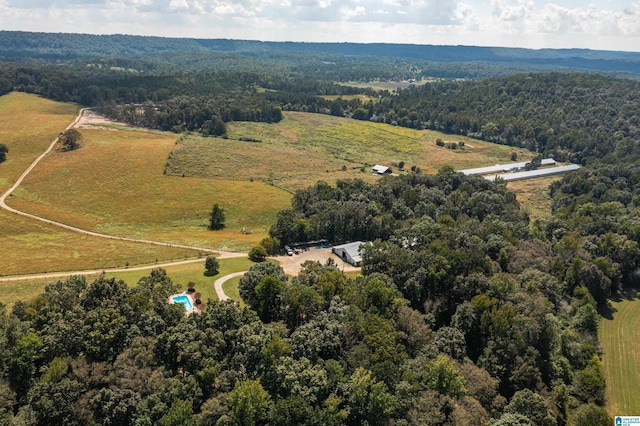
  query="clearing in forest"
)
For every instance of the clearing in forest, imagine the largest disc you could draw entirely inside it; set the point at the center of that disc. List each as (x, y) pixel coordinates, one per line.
(304, 148)
(620, 340)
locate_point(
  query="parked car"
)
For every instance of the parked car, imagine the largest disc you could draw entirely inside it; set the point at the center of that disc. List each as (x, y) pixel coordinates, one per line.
(288, 250)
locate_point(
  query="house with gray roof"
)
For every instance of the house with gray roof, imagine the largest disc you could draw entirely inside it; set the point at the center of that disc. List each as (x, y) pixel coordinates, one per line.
(350, 252)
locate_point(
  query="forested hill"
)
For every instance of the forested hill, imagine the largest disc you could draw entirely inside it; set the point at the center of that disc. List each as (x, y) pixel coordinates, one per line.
(54, 46)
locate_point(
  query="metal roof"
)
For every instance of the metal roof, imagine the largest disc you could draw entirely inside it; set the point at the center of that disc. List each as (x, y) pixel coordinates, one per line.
(352, 249)
(504, 167)
(534, 173)
(379, 169)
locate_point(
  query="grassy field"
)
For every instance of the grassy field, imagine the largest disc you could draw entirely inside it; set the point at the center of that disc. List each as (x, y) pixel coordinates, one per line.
(13, 291)
(114, 184)
(619, 338)
(28, 124)
(533, 195)
(304, 148)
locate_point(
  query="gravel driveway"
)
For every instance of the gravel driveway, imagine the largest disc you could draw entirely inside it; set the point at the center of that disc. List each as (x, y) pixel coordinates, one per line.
(291, 264)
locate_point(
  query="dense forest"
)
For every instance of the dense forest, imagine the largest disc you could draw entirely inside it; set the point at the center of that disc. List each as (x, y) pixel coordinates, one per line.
(463, 314)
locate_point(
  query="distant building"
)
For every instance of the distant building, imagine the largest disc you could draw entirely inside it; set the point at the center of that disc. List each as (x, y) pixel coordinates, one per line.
(350, 252)
(505, 168)
(380, 170)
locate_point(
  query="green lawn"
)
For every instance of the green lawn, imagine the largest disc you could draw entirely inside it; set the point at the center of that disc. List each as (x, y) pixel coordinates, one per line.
(230, 288)
(620, 340)
(194, 273)
(13, 291)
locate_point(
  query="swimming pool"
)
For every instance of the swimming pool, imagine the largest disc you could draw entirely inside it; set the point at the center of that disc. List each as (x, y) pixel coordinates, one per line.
(184, 300)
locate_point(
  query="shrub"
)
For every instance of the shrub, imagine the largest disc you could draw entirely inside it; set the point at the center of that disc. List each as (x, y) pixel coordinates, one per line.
(271, 245)
(258, 254)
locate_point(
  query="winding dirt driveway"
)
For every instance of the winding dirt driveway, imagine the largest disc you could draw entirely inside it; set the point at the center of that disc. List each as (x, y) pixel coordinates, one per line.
(3, 204)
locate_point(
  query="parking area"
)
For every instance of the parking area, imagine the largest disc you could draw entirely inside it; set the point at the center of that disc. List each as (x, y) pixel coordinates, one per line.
(291, 264)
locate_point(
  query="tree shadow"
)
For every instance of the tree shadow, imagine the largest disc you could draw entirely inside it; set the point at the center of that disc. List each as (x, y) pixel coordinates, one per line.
(629, 294)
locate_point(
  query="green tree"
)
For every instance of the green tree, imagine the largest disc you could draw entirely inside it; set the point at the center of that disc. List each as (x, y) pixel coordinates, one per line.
(589, 415)
(532, 406)
(216, 220)
(180, 413)
(114, 406)
(268, 299)
(249, 281)
(258, 254)
(250, 403)
(271, 245)
(70, 139)
(3, 152)
(211, 266)
(443, 377)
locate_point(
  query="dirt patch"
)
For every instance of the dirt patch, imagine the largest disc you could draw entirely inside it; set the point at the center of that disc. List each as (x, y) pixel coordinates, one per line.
(292, 264)
(91, 119)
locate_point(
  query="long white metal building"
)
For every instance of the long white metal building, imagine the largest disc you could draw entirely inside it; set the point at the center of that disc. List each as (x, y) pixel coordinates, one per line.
(534, 173)
(504, 168)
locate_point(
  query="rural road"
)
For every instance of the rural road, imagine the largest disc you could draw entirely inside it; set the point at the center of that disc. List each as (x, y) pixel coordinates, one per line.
(218, 284)
(3, 204)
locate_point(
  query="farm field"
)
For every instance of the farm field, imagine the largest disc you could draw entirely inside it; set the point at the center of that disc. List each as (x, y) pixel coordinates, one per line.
(29, 124)
(304, 148)
(114, 184)
(619, 338)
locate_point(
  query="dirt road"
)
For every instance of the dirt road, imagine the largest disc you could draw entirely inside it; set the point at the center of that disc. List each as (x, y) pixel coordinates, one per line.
(8, 193)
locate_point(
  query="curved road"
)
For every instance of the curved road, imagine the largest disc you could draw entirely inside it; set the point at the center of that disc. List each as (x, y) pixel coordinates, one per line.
(3, 204)
(218, 284)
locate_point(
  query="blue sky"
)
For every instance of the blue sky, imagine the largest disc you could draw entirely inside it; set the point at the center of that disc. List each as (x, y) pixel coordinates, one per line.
(601, 24)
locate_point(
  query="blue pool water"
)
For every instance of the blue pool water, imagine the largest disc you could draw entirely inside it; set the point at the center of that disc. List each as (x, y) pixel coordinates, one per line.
(185, 300)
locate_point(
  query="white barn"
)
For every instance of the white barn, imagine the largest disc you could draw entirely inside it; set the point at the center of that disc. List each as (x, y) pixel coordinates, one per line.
(380, 170)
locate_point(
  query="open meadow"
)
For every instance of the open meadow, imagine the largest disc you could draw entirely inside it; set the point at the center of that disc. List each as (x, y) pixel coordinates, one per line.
(619, 338)
(304, 148)
(114, 184)
(28, 125)
(533, 195)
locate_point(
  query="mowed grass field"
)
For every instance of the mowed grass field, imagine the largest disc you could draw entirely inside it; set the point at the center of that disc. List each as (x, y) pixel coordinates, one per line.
(304, 148)
(28, 124)
(619, 338)
(114, 184)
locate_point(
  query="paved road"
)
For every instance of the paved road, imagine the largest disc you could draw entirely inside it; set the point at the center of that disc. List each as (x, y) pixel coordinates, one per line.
(218, 284)
(3, 204)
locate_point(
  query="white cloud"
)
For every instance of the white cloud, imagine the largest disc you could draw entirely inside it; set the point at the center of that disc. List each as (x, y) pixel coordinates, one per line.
(611, 24)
